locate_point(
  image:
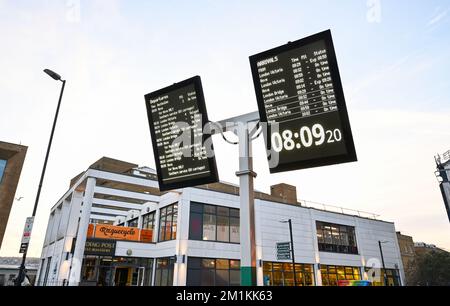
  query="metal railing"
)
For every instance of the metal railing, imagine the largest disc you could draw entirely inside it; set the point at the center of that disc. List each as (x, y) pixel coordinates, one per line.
(339, 209)
(51, 283)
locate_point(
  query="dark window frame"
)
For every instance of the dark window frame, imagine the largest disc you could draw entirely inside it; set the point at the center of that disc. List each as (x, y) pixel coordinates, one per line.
(331, 238)
(149, 218)
(134, 220)
(199, 211)
(202, 269)
(170, 268)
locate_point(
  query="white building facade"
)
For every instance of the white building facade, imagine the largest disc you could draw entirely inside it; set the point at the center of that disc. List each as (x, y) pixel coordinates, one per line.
(192, 238)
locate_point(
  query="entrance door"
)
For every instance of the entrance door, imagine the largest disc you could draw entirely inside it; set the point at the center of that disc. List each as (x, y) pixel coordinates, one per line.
(121, 278)
(138, 276)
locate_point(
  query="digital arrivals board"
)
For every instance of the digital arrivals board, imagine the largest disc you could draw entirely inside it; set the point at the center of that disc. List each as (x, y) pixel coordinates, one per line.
(176, 116)
(300, 96)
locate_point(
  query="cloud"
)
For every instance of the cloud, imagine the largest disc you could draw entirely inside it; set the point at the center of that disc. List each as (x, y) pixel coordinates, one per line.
(437, 18)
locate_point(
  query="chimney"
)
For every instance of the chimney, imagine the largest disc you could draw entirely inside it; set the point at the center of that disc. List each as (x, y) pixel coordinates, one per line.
(284, 191)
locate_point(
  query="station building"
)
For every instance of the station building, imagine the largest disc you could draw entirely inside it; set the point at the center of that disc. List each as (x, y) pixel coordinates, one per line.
(113, 227)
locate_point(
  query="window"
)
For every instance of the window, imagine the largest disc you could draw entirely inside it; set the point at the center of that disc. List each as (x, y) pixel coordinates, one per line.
(168, 223)
(164, 271)
(41, 272)
(2, 168)
(336, 238)
(47, 269)
(214, 223)
(89, 269)
(331, 275)
(213, 272)
(148, 227)
(148, 221)
(133, 223)
(282, 274)
(377, 277)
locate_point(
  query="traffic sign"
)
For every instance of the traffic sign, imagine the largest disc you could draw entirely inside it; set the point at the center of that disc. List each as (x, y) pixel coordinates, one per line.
(184, 155)
(300, 96)
(283, 250)
(26, 235)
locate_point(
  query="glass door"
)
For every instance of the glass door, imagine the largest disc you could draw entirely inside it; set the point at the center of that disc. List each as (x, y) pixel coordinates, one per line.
(138, 276)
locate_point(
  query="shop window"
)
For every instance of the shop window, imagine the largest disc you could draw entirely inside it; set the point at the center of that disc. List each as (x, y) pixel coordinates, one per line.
(88, 273)
(164, 271)
(282, 274)
(214, 223)
(213, 272)
(116, 271)
(168, 223)
(331, 275)
(336, 238)
(376, 276)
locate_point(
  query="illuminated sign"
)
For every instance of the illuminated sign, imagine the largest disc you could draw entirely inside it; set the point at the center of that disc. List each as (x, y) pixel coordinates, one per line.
(184, 155)
(300, 96)
(354, 283)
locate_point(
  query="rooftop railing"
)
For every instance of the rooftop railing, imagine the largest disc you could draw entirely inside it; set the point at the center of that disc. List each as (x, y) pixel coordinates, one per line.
(339, 209)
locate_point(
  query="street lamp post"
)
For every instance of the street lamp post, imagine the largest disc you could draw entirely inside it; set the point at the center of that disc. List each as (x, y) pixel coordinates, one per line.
(382, 261)
(292, 249)
(56, 77)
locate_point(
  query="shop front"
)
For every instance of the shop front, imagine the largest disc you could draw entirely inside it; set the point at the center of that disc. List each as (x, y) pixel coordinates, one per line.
(102, 268)
(116, 271)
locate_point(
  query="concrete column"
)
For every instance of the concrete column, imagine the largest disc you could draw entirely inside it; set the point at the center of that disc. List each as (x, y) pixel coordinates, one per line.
(318, 275)
(63, 271)
(77, 259)
(180, 272)
(71, 229)
(315, 242)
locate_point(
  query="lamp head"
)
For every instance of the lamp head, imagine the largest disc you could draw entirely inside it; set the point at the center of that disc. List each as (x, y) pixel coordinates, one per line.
(53, 74)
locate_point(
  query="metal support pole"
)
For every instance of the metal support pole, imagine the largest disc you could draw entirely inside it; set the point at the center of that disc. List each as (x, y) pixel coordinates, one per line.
(247, 208)
(382, 260)
(21, 275)
(292, 250)
(242, 126)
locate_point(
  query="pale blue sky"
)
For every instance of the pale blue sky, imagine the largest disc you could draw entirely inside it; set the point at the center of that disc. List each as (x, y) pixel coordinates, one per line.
(394, 67)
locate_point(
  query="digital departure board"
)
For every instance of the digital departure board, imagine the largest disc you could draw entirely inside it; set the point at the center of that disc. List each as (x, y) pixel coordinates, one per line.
(184, 155)
(300, 96)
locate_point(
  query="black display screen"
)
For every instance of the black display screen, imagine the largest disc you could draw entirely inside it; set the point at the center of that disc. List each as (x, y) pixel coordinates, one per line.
(300, 96)
(184, 155)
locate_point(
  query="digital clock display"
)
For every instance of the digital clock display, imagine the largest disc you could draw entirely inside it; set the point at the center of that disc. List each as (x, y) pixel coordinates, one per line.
(300, 96)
